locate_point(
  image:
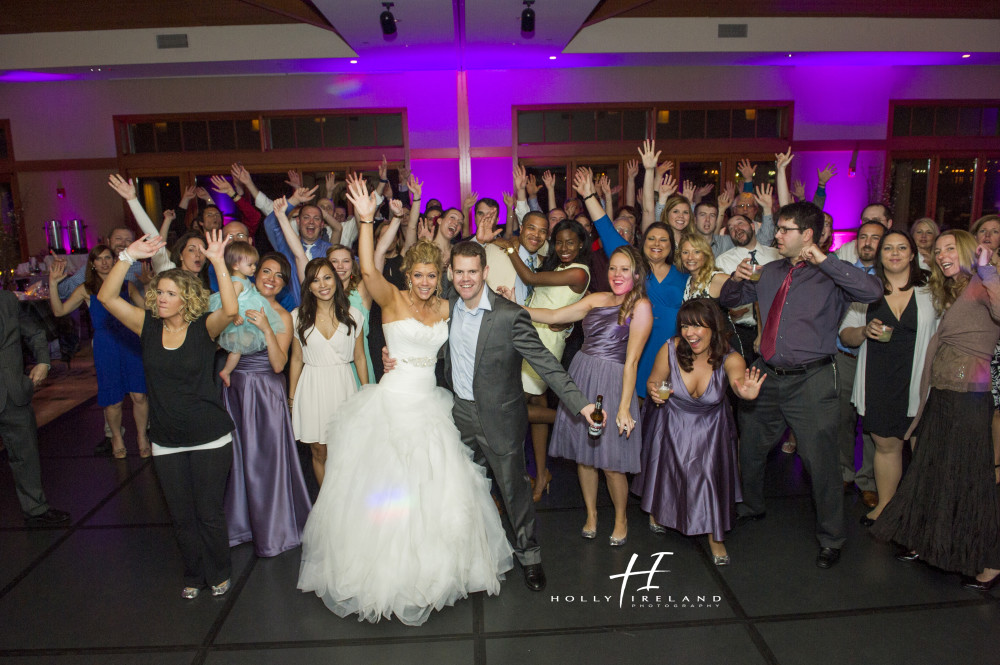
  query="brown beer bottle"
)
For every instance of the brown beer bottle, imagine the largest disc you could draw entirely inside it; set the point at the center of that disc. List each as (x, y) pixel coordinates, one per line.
(598, 417)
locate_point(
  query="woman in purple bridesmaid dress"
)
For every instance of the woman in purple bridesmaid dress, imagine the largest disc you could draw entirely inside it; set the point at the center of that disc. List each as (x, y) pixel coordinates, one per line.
(266, 499)
(689, 479)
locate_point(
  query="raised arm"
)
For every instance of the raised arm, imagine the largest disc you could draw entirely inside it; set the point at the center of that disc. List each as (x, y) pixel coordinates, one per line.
(57, 272)
(222, 317)
(781, 161)
(410, 237)
(110, 294)
(575, 278)
(649, 159)
(378, 286)
(549, 180)
(468, 212)
(291, 238)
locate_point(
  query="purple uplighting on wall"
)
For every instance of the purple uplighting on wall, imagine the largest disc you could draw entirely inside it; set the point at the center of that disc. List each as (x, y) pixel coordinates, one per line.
(34, 77)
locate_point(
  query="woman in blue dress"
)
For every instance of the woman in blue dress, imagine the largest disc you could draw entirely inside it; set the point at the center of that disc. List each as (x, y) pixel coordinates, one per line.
(664, 283)
(117, 357)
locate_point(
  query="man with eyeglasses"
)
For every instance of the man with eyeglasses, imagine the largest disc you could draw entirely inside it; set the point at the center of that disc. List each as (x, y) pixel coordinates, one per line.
(802, 300)
(878, 213)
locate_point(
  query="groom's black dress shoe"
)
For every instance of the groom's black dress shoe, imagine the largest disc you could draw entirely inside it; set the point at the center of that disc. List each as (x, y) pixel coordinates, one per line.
(534, 576)
(827, 557)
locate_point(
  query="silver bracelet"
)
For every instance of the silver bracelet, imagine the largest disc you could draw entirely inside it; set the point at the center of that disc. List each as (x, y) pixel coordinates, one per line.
(126, 257)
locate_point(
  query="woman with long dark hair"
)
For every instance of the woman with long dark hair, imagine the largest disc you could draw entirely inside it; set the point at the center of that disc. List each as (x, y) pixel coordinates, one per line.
(946, 510)
(327, 339)
(561, 280)
(892, 337)
(117, 355)
(690, 477)
(266, 499)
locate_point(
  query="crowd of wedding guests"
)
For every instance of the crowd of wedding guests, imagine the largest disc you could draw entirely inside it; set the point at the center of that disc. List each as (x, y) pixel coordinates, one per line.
(713, 328)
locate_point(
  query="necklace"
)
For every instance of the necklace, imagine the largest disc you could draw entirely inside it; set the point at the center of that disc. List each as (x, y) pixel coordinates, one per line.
(167, 328)
(413, 305)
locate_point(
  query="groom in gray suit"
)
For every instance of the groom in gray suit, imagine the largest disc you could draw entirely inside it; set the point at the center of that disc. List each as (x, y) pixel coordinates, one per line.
(17, 419)
(488, 338)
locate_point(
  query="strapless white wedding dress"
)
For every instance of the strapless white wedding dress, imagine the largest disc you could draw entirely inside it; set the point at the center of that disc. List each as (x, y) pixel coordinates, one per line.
(404, 523)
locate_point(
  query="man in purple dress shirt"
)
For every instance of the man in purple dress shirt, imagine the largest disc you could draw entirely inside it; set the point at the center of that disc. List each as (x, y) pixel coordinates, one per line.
(802, 386)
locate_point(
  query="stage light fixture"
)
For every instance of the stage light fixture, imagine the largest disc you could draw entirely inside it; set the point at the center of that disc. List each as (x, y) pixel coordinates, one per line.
(387, 20)
(528, 17)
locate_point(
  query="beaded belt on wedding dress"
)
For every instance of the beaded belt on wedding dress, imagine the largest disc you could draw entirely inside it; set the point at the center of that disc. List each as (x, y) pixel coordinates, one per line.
(419, 362)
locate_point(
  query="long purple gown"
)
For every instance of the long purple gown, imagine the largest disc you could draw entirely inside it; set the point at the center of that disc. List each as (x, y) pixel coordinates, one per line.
(690, 479)
(266, 499)
(597, 370)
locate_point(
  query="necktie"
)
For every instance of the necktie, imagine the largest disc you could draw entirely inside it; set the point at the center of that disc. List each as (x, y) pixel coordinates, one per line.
(753, 256)
(529, 289)
(770, 334)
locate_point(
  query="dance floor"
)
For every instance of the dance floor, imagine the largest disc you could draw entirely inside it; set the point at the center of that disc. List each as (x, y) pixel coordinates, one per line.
(107, 589)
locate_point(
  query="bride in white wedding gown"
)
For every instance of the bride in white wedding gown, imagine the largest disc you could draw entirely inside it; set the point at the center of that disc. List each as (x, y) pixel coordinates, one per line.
(404, 523)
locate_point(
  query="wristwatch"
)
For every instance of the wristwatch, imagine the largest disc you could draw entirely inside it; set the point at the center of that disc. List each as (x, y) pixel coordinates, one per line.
(510, 250)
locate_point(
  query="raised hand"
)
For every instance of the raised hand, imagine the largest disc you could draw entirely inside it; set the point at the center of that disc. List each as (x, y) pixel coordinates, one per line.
(189, 194)
(404, 172)
(688, 190)
(667, 186)
(363, 202)
(764, 196)
(531, 187)
(798, 190)
(747, 170)
(603, 184)
(303, 195)
(330, 183)
(469, 201)
(383, 169)
(749, 387)
(146, 274)
(508, 200)
(294, 179)
(703, 191)
(783, 159)
(583, 181)
(280, 204)
(240, 173)
(203, 194)
(727, 196)
(425, 229)
(632, 168)
(222, 186)
(825, 174)
(146, 246)
(646, 154)
(57, 271)
(125, 188)
(520, 177)
(396, 207)
(488, 231)
(663, 168)
(415, 186)
(216, 241)
(549, 180)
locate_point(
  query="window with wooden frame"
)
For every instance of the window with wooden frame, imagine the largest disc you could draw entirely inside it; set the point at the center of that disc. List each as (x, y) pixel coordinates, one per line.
(943, 160)
(704, 140)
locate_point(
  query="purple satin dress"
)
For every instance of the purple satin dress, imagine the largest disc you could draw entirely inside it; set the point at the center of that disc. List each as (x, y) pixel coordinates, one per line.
(597, 369)
(689, 479)
(266, 499)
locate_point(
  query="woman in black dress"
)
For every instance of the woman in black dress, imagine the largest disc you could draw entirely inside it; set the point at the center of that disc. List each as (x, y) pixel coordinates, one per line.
(190, 429)
(893, 335)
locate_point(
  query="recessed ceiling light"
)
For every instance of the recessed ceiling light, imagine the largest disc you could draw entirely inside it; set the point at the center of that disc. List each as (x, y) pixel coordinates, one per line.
(789, 55)
(354, 62)
(967, 55)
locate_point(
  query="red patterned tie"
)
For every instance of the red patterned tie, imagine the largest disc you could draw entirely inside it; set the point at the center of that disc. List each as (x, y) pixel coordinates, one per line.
(770, 334)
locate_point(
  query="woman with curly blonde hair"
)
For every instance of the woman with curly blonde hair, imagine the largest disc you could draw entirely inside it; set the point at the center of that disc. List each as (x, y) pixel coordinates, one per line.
(190, 430)
(697, 259)
(945, 511)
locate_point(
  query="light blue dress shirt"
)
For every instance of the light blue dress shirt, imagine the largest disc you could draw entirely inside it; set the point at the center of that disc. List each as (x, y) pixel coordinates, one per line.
(853, 350)
(462, 344)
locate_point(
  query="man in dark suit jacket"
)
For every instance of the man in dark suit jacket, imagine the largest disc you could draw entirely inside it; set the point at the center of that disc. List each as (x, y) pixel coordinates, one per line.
(488, 338)
(17, 419)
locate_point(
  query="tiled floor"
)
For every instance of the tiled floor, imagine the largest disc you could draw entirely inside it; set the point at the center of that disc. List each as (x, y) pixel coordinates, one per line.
(106, 590)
